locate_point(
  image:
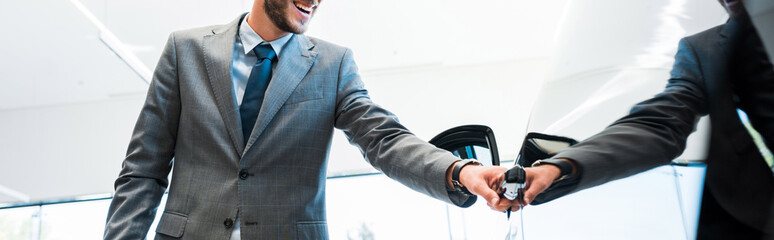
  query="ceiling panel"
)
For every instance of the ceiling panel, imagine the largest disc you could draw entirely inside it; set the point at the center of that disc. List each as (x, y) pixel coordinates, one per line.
(55, 57)
(144, 25)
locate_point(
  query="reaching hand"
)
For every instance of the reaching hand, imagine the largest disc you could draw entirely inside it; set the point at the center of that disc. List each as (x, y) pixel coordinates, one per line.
(485, 182)
(538, 180)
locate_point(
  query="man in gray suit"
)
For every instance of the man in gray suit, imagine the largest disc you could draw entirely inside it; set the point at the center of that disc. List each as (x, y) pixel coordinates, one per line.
(247, 112)
(715, 72)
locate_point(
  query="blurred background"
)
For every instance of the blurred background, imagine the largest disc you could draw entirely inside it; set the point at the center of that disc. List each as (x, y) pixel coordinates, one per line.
(76, 73)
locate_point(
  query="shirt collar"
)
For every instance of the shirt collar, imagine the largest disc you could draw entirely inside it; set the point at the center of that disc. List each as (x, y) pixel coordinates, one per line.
(250, 38)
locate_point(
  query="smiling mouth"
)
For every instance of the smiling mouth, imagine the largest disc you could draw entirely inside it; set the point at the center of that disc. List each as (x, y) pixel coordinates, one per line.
(305, 7)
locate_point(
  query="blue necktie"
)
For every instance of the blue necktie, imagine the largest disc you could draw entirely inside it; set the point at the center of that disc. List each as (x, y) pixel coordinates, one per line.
(256, 88)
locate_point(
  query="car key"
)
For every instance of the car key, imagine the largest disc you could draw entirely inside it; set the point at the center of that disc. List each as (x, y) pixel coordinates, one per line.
(513, 183)
(512, 187)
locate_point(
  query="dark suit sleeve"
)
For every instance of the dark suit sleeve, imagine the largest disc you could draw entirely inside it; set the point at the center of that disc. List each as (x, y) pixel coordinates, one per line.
(387, 144)
(652, 134)
(143, 178)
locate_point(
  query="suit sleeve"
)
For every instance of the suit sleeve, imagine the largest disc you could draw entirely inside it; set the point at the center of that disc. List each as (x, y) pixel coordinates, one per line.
(388, 145)
(652, 134)
(143, 177)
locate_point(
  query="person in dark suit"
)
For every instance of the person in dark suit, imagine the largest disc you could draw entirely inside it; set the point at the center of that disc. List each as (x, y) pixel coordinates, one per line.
(715, 73)
(247, 111)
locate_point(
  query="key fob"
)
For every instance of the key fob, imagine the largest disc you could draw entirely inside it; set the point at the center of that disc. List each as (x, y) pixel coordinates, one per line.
(513, 182)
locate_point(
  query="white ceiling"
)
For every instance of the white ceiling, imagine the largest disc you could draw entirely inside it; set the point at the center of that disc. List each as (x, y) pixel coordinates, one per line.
(51, 55)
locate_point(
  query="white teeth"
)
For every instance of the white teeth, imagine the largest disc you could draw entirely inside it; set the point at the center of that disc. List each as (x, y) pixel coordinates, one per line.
(305, 8)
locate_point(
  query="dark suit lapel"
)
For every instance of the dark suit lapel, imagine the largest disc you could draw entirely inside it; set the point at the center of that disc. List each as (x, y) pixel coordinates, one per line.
(295, 60)
(719, 80)
(718, 61)
(719, 95)
(725, 42)
(218, 51)
(719, 87)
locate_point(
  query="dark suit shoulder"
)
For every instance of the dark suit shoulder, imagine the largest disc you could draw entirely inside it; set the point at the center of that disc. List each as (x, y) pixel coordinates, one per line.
(693, 58)
(705, 39)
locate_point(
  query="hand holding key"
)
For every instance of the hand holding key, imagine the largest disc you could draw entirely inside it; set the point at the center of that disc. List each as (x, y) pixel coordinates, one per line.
(519, 186)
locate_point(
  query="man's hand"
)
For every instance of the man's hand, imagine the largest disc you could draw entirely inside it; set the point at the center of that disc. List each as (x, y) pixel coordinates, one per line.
(484, 181)
(538, 180)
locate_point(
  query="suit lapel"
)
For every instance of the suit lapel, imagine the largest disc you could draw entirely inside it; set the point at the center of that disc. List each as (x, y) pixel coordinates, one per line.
(724, 42)
(218, 54)
(717, 70)
(295, 61)
(720, 88)
(721, 91)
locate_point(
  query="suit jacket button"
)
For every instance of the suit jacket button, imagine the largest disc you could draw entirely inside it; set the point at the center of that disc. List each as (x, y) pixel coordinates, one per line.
(228, 223)
(243, 174)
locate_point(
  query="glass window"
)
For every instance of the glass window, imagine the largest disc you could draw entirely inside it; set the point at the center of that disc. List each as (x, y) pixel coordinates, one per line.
(19, 223)
(78, 220)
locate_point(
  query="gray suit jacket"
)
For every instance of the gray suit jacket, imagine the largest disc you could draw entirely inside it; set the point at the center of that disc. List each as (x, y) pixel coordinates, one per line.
(655, 132)
(276, 183)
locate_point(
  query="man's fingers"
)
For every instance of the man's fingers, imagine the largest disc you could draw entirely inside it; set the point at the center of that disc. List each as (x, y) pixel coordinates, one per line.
(533, 190)
(501, 205)
(531, 193)
(538, 180)
(493, 199)
(488, 194)
(515, 208)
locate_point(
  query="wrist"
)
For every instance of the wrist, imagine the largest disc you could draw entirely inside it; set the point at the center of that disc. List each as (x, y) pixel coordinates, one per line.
(550, 171)
(458, 169)
(465, 171)
(559, 168)
(449, 170)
